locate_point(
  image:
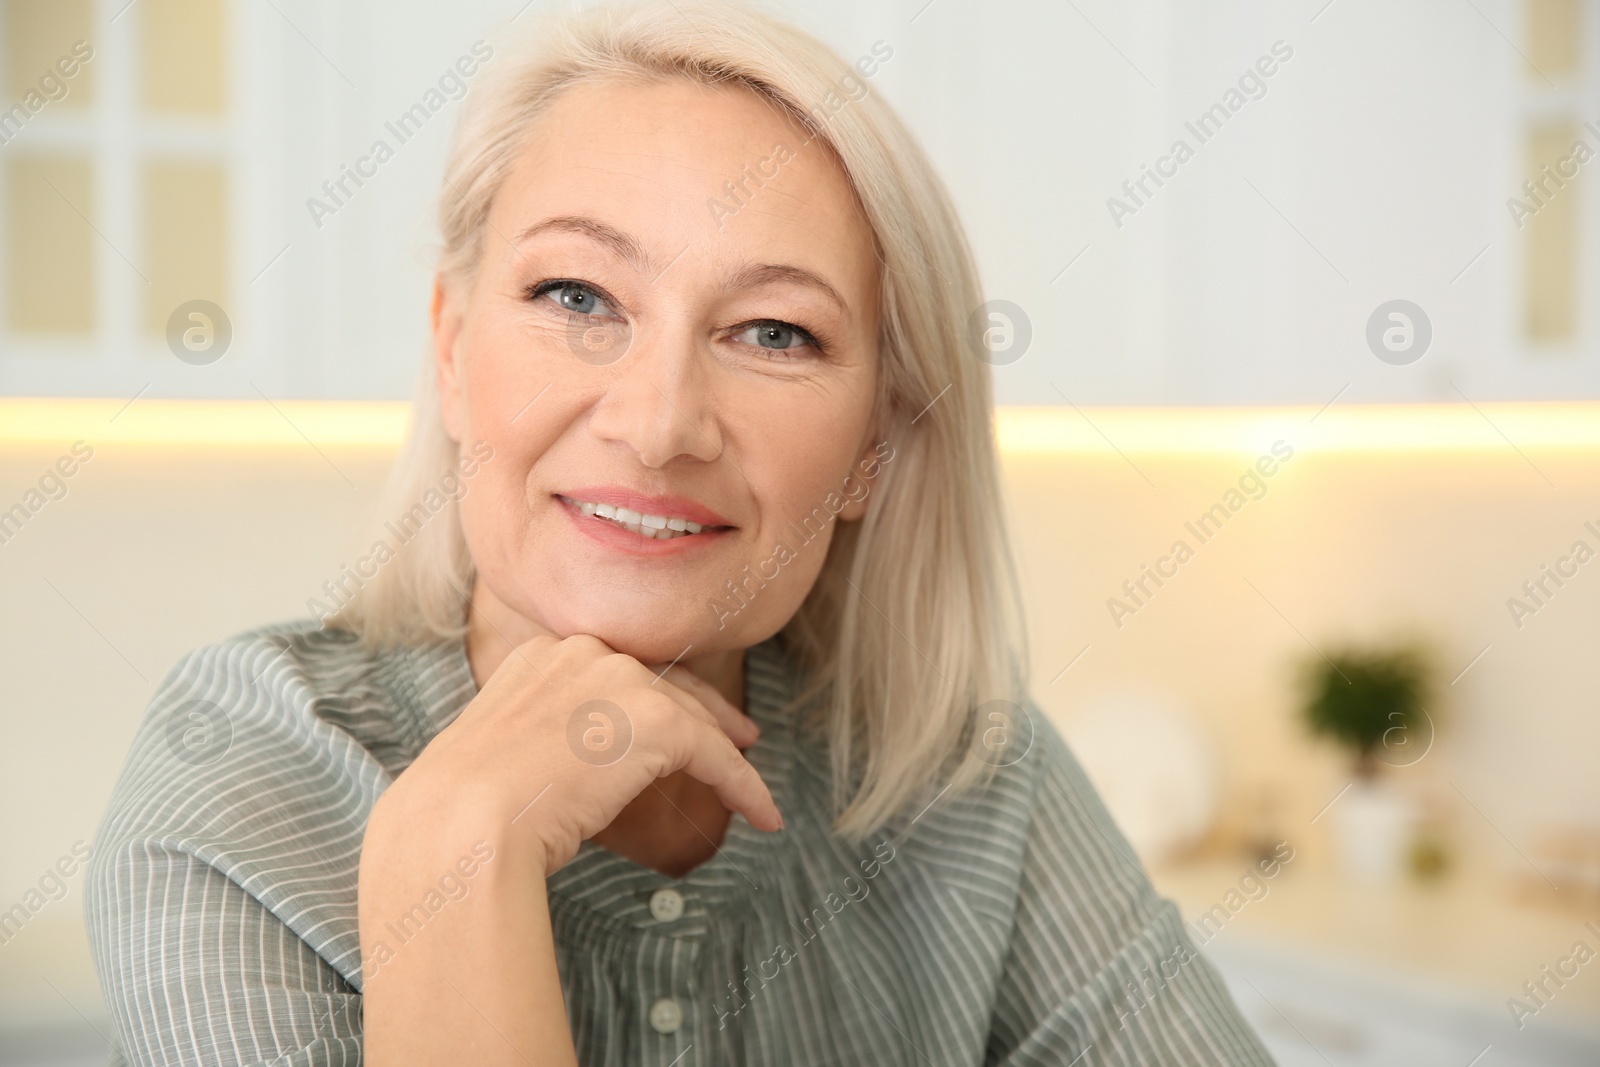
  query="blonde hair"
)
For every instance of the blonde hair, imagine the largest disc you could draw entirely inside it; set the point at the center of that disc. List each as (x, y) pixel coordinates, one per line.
(915, 619)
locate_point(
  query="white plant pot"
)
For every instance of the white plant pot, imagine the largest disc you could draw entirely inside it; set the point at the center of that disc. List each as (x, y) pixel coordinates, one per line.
(1373, 825)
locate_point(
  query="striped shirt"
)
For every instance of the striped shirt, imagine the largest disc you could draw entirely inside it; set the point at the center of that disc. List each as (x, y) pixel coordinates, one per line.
(1008, 925)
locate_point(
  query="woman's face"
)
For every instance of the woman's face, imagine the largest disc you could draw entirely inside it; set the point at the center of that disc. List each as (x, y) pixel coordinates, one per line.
(676, 317)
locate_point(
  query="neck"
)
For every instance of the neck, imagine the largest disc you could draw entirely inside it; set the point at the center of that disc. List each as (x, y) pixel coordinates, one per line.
(494, 630)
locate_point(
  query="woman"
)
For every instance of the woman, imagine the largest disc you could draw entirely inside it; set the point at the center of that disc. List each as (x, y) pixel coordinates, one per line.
(684, 724)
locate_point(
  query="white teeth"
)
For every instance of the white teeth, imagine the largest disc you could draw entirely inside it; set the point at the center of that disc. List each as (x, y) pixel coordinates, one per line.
(654, 527)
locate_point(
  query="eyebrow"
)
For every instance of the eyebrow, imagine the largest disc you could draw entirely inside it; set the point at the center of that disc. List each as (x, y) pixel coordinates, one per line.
(629, 249)
(613, 238)
(756, 274)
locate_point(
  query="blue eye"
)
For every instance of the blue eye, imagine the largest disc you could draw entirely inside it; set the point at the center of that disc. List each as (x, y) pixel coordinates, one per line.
(779, 336)
(572, 296)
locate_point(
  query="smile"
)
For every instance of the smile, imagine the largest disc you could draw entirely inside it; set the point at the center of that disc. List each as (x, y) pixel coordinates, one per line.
(655, 527)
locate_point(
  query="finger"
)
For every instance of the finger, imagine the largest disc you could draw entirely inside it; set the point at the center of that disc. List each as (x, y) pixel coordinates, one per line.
(624, 671)
(679, 698)
(679, 681)
(714, 761)
(735, 723)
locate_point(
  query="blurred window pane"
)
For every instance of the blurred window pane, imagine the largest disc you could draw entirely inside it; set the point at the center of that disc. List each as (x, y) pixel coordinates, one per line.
(186, 237)
(1552, 237)
(49, 245)
(181, 56)
(1555, 35)
(39, 34)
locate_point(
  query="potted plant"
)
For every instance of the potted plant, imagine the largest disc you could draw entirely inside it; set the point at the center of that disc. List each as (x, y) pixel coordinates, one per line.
(1373, 703)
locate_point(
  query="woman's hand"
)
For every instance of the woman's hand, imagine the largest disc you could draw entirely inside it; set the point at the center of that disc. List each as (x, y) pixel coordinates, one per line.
(564, 734)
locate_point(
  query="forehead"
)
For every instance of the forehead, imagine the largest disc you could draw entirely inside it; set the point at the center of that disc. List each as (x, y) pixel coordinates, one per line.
(698, 174)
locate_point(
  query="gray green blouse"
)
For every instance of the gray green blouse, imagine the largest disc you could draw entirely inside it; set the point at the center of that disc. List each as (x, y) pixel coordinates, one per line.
(1006, 926)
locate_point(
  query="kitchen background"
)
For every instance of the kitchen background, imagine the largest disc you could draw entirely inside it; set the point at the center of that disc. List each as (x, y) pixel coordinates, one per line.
(1343, 345)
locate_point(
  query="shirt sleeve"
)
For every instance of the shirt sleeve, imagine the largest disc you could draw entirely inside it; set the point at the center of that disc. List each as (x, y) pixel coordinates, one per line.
(196, 971)
(1101, 971)
(220, 899)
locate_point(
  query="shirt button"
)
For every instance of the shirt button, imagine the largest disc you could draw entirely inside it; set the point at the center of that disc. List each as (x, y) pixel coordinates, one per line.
(666, 1016)
(666, 905)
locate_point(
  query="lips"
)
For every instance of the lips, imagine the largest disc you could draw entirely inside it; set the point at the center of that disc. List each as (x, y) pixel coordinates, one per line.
(649, 518)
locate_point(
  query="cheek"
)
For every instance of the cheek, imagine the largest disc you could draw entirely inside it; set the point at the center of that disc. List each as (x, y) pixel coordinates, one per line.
(517, 418)
(798, 464)
(494, 514)
(799, 457)
(509, 366)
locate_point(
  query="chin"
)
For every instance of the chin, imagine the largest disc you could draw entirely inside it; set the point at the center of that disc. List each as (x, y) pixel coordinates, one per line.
(649, 635)
(653, 625)
(647, 643)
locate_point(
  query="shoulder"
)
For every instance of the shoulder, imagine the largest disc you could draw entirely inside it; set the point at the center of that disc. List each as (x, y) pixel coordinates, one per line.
(1038, 814)
(281, 707)
(293, 683)
(273, 657)
(260, 756)
(275, 654)
(1031, 765)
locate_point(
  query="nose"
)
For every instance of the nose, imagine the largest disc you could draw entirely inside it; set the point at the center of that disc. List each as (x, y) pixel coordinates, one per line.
(659, 403)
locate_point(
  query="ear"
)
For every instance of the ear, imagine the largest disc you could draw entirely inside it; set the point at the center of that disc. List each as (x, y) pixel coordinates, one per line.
(857, 486)
(445, 316)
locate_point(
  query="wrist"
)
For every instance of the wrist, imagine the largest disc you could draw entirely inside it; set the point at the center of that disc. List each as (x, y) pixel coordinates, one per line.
(414, 839)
